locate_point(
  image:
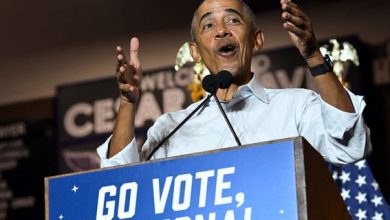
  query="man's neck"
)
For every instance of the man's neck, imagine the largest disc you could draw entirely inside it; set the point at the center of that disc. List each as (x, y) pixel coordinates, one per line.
(226, 95)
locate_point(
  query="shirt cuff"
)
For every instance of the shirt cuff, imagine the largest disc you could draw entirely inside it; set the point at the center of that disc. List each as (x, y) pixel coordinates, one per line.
(338, 122)
(129, 154)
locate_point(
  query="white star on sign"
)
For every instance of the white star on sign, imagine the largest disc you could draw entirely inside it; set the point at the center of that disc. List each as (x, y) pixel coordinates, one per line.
(345, 193)
(75, 188)
(361, 164)
(377, 200)
(361, 197)
(361, 214)
(378, 216)
(61, 216)
(281, 211)
(375, 185)
(344, 177)
(361, 180)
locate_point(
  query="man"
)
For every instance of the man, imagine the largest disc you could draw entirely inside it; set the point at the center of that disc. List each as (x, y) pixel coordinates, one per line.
(224, 37)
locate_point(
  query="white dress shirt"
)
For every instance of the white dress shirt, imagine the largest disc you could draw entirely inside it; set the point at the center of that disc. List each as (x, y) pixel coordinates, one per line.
(257, 114)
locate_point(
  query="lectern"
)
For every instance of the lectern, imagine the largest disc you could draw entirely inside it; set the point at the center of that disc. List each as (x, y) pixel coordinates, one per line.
(283, 179)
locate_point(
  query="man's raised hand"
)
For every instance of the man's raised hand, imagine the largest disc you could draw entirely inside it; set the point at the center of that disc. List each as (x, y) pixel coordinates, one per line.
(129, 73)
(300, 29)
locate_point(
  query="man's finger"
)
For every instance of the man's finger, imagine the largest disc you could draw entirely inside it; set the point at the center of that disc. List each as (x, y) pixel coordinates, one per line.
(126, 87)
(295, 20)
(134, 47)
(124, 77)
(118, 50)
(120, 56)
(294, 9)
(293, 29)
(121, 59)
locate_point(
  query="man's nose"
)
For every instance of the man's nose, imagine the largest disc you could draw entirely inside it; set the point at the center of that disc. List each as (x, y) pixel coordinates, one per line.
(222, 31)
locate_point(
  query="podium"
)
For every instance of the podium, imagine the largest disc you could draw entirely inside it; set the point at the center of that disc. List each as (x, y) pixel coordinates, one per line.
(284, 179)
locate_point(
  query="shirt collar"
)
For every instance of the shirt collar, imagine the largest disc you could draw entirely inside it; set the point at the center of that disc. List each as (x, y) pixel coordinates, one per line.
(256, 88)
(253, 86)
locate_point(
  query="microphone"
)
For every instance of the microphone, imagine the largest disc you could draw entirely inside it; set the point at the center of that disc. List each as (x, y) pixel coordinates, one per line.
(224, 79)
(210, 84)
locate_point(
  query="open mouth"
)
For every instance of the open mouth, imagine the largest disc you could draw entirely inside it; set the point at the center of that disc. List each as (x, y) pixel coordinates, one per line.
(227, 49)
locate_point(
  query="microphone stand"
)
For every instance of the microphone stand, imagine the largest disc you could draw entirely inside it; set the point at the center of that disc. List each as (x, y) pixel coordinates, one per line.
(179, 126)
(227, 120)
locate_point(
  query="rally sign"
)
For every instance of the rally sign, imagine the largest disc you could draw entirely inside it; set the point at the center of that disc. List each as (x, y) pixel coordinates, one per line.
(251, 182)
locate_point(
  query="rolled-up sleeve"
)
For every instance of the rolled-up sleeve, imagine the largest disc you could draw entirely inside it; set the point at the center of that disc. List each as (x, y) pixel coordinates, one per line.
(349, 134)
(129, 154)
(341, 137)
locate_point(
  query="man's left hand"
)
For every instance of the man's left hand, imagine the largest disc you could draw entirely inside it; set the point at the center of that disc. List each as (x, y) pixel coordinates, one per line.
(300, 29)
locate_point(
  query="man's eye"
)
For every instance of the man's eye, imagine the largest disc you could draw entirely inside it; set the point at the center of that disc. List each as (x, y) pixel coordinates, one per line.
(234, 21)
(207, 26)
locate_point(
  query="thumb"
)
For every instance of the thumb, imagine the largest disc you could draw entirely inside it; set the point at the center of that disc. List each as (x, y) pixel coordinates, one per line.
(134, 47)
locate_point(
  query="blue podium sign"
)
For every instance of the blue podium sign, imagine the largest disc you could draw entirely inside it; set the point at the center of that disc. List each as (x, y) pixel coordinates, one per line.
(252, 182)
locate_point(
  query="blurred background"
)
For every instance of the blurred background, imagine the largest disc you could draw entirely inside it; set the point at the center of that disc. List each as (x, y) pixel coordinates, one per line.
(57, 93)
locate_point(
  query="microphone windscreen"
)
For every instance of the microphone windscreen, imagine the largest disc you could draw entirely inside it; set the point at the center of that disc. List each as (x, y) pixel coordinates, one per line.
(224, 79)
(210, 84)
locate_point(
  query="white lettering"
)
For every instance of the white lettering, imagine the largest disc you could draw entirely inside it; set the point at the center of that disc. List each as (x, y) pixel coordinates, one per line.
(160, 201)
(70, 120)
(260, 64)
(173, 99)
(102, 204)
(221, 185)
(160, 80)
(268, 80)
(229, 215)
(185, 204)
(148, 109)
(133, 188)
(147, 83)
(203, 176)
(184, 76)
(169, 79)
(13, 130)
(296, 79)
(211, 216)
(183, 218)
(104, 115)
(248, 213)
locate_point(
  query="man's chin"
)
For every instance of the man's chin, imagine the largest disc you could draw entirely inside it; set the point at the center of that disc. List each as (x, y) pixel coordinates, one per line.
(231, 69)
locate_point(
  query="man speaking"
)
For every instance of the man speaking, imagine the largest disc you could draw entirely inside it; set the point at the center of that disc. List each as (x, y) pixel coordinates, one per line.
(224, 37)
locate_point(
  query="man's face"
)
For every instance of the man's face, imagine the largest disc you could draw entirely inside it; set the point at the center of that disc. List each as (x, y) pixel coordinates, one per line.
(224, 37)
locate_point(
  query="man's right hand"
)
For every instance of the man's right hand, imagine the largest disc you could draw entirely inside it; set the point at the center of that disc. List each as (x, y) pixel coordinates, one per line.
(129, 73)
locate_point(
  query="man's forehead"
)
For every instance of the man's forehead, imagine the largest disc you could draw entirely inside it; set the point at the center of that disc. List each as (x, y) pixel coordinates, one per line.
(209, 6)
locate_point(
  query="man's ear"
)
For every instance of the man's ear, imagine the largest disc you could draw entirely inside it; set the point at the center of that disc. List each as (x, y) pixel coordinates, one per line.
(194, 51)
(259, 40)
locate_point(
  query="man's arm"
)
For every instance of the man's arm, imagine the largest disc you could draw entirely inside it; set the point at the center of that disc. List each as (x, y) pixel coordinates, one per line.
(301, 32)
(344, 137)
(129, 75)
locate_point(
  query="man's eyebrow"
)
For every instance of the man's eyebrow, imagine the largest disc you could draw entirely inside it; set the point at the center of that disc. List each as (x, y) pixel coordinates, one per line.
(234, 11)
(204, 16)
(229, 10)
